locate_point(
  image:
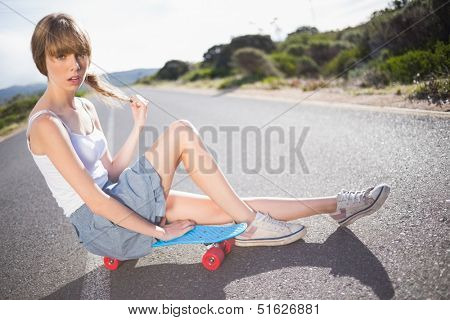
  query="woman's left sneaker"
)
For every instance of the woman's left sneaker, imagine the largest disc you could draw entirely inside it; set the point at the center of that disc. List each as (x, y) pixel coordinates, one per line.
(266, 231)
(352, 205)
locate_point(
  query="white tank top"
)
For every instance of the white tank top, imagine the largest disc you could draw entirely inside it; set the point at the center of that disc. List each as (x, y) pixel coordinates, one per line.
(90, 149)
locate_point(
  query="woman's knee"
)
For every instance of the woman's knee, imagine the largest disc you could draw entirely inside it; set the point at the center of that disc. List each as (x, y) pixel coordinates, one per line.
(182, 125)
(184, 130)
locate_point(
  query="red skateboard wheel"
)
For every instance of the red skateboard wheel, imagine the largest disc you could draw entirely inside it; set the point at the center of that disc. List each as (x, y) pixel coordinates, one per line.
(213, 258)
(111, 263)
(227, 245)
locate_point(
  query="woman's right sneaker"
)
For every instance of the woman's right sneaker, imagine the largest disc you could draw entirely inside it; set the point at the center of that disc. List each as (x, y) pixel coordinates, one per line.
(266, 231)
(352, 205)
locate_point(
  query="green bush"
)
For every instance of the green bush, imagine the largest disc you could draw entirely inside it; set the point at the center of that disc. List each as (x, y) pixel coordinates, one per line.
(294, 39)
(16, 109)
(323, 51)
(435, 91)
(237, 81)
(418, 64)
(285, 63)
(329, 36)
(307, 67)
(273, 82)
(296, 49)
(342, 62)
(370, 73)
(406, 67)
(375, 77)
(197, 74)
(253, 61)
(354, 35)
(302, 35)
(146, 80)
(218, 72)
(441, 57)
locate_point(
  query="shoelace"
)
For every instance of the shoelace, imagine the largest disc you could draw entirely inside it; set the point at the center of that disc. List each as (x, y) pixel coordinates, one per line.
(355, 196)
(281, 225)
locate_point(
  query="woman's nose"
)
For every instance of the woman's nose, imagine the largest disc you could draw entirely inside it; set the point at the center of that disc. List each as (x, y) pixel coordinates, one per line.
(74, 64)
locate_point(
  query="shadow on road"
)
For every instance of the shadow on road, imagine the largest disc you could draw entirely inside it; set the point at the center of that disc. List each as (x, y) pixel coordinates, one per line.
(224, 92)
(342, 252)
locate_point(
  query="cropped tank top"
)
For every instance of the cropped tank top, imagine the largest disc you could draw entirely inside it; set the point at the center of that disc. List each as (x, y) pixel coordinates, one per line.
(89, 148)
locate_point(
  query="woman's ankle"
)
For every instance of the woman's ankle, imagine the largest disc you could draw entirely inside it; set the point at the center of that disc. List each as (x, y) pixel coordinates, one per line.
(332, 207)
(251, 217)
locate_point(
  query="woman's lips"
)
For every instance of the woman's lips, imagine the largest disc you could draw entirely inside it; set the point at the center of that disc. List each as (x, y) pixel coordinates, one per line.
(75, 80)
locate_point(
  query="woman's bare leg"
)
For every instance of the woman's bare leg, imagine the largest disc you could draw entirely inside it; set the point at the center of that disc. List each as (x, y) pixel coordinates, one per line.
(203, 210)
(182, 143)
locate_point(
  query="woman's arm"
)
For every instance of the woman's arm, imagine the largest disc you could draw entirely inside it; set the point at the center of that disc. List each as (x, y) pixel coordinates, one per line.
(122, 159)
(126, 153)
(56, 144)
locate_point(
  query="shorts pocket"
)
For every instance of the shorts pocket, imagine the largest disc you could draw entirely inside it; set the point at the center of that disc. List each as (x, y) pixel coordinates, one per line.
(78, 233)
(101, 239)
(81, 220)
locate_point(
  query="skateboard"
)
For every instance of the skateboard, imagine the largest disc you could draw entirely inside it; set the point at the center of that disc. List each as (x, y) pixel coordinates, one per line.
(218, 239)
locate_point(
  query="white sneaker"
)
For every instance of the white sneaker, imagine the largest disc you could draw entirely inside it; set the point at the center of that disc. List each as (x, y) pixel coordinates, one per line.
(352, 205)
(266, 231)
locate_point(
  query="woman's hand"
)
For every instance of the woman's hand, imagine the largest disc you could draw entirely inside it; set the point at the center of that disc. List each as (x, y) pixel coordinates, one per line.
(139, 108)
(175, 229)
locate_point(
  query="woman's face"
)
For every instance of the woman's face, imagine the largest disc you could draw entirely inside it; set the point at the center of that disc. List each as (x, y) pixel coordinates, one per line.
(67, 71)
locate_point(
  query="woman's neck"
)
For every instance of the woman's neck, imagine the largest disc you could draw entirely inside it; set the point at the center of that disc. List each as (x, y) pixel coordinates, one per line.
(61, 101)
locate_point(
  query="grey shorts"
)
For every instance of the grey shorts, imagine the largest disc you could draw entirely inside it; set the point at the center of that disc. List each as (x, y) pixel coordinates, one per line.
(139, 188)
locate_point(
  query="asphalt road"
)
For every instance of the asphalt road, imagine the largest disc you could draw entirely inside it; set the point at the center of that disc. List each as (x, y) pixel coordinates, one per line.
(401, 252)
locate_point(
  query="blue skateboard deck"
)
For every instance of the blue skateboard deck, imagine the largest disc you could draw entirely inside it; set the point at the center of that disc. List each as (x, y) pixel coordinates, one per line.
(205, 234)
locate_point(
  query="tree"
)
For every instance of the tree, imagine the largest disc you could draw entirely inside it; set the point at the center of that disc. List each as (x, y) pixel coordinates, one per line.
(212, 56)
(389, 24)
(172, 70)
(306, 30)
(398, 4)
(219, 56)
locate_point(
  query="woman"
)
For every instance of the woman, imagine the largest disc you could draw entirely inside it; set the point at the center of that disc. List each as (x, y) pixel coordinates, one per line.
(118, 210)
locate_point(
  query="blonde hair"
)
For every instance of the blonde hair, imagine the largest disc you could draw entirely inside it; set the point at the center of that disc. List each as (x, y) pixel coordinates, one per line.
(58, 34)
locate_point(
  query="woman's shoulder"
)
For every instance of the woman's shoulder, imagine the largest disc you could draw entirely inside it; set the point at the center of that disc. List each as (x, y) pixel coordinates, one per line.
(45, 122)
(87, 103)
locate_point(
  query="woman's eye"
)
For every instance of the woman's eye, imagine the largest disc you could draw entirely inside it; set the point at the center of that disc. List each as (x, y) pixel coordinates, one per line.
(61, 57)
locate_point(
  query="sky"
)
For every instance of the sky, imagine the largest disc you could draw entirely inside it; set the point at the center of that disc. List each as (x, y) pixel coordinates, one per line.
(146, 33)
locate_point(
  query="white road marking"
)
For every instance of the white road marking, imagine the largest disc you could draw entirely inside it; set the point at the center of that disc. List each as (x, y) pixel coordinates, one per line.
(97, 279)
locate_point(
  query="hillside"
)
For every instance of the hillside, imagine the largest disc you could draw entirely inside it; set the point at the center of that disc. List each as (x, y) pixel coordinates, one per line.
(406, 43)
